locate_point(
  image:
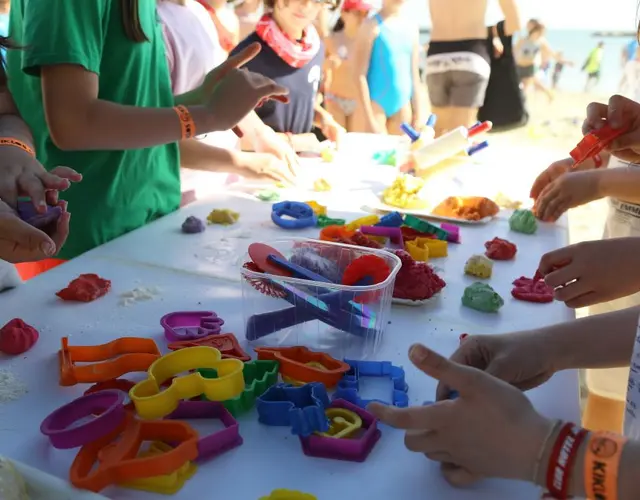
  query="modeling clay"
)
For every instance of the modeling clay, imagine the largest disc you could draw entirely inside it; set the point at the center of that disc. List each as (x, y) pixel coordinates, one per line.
(193, 225)
(16, 337)
(327, 155)
(479, 266)
(362, 240)
(504, 201)
(12, 484)
(405, 193)
(46, 221)
(311, 260)
(317, 208)
(226, 343)
(482, 297)
(321, 185)
(393, 219)
(367, 220)
(523, 221)
(224, 217)
(499, 249)
(268, 195)
(324, 221)
(385, 157)
(531, 290)
(473, 208)
(85, 288)
(418, 249)
(288, 495)
(453, 230)
(416, 280)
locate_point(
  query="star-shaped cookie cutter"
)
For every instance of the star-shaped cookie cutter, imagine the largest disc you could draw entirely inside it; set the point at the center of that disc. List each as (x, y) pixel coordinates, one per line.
(349, 387)
(190, 325)
(226, 343)
(151, 401)
(301, 408)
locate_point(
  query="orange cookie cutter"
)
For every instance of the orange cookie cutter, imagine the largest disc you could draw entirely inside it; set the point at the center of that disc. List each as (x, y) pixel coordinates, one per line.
(226, 343)
(113, 459)
(108, 361)
(336, 233)
(301, 364)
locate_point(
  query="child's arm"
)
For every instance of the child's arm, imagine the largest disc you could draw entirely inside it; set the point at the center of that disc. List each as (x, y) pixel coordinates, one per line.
(417, 98)
(621, 183)
(362, 55)
(511, 12)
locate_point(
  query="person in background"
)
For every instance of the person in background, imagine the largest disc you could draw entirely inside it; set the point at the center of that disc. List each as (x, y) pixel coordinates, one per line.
(78, 99)
(629, 51)
(226, 22)
(630, 82)
(529, 51)
(193, 51)
(559, 66)
(386, 63)
(458, 61)
(249, 13)
(340, 88)
(293, 55)
(5, 6)
(592, 67)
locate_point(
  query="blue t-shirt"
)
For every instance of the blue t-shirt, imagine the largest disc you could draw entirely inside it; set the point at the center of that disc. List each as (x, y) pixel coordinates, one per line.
(4, 31)
(296, 117)
(632, 46)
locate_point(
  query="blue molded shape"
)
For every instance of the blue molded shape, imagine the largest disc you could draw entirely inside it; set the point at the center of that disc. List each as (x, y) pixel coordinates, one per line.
(299, 215)
(348, 388)
(394, 219)
(301, 408)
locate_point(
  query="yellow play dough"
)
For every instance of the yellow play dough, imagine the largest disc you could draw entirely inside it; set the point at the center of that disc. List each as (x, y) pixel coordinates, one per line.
(479, 266)
(405, 193)
(12, 485)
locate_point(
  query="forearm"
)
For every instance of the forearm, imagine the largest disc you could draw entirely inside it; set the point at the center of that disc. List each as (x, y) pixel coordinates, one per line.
(251, 126)
(12, 125)
(621, 183)
(197, 155)
(321, 115)
(600, 341)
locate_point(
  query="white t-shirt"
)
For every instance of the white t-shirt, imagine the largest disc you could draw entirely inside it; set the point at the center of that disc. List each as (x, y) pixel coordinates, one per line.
(632, 413)
(631, 87)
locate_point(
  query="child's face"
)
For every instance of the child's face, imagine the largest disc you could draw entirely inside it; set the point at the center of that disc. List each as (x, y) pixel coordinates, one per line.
(298, 14)
(353, 17)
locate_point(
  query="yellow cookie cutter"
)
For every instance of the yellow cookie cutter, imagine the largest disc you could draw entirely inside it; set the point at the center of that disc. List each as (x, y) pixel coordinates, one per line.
(297, 383)
(437, 248)
(367, 220)
(317, 208)
(418, 249)
(151, 401)
(288, 495)
(167, 484)
(342, 423)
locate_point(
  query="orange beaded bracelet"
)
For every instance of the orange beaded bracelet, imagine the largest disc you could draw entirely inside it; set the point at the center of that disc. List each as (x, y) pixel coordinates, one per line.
(187, 124)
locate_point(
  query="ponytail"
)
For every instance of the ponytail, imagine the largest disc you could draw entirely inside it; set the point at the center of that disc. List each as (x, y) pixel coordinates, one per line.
(131, 20)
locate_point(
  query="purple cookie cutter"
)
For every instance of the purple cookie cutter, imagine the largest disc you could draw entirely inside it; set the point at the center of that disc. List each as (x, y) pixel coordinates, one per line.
(219, 442)
(393, 233)
(28, 213)
(105, 408)
(190, 325)
(355, 449)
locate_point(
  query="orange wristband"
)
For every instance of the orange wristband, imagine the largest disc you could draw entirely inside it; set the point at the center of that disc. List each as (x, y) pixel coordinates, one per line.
(601, 465)
(10, 141)
(186, 122)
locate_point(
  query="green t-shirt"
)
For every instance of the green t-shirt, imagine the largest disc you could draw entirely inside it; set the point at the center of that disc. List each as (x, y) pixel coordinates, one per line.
(121, 190)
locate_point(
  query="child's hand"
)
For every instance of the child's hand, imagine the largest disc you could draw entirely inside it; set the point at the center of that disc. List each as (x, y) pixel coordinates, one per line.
(332, 130)
(267, 141)
(237, 92)
(570, 190)
(552, 172)
(21, 242)
(264, 166)
(619, 113)
(584, 279)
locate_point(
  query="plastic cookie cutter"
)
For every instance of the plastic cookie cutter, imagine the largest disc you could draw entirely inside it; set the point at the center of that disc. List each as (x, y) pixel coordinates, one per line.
(393, 219)
(343, 423)
(425, 227)
(113, 459)
(324, 221)
(288, 495)
(349, 387)
(119, 384)
(368, 220)
(107, 361)
(59, 428)
(317, 208)
(393, 233)
(226, 343)
(151, 401)
(258, 376)
(594, 143)
(190, 325)
(298, 215)
(301, 408)
(296, 363)
(167, 484)
(298, 383)
(437, 248)
(356, 447)
(337, 233)
(453, 232)
(418, 249)
(219, 442)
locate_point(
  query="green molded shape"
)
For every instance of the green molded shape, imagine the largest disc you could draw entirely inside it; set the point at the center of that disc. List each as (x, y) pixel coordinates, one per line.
(324, 221)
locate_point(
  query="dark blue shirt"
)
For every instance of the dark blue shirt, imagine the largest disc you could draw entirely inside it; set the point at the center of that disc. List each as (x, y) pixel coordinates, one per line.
(295, 117)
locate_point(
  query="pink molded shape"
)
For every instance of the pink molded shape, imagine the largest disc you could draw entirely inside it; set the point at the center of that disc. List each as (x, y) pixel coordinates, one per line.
(17, 337)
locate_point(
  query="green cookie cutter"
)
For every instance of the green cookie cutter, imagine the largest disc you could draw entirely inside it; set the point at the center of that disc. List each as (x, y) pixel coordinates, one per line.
(324, 221)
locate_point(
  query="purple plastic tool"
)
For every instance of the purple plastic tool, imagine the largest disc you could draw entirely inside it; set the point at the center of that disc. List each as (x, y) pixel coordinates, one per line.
(219, 442)
(190, 325)
(393, 233)
(28, 213)
(298, 271)
(354, 449)
(453, 232)
(105, 408)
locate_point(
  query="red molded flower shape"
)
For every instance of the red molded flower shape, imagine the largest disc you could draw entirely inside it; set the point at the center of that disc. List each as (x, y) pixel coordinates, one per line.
(17, 337)
(85, 288)
(499, 249)
(531, 290)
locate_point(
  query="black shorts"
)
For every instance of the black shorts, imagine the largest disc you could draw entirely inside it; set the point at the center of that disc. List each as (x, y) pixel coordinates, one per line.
(526, 71)
(594, 76)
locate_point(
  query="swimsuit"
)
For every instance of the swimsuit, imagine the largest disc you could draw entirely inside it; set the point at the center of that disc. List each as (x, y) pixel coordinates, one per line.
(528, 50)
(458, 73)
(348, 106)
(389, 75)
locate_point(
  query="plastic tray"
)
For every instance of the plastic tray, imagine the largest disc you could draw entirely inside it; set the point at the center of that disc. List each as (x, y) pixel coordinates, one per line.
(360, 342)
(375, 206)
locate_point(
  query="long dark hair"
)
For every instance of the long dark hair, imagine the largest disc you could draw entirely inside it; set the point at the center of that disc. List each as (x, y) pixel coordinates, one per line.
(131, 21)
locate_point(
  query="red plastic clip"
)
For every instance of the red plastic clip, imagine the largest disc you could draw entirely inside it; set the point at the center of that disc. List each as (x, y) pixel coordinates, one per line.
(594, 143)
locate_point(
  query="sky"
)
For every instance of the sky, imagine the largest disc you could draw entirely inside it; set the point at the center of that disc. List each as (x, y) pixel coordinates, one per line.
(562, 14)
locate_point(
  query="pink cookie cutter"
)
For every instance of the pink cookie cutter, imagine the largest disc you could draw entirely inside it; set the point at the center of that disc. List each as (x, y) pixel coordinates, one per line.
(190, 325)
(219, 442)
(453, 232)
(355, 449)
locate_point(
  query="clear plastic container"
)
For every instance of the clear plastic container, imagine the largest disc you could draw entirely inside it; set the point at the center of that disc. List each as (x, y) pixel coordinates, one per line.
(344, 321)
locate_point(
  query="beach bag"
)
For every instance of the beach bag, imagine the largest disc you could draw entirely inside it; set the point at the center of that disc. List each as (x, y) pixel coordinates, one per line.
(504, 102)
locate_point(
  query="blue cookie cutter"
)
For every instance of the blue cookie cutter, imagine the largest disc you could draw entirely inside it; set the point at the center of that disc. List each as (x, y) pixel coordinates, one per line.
(348, 388)
(299, 215)
(302, 408)
(394, 219)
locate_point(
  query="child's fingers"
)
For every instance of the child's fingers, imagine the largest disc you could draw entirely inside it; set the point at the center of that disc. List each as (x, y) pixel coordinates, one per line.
(237, 61)
(597, 113)
(32, 187)
(539, 184)
(543, 199)
(555, 205)
(62, 230)
(66, 173)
